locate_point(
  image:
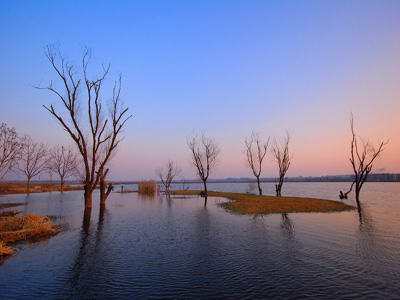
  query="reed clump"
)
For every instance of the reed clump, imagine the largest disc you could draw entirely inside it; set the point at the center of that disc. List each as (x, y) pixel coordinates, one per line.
(147, 187)
(22, 228)
(5, 250)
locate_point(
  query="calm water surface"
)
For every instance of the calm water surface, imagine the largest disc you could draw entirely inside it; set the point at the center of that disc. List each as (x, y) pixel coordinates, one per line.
(154, 248)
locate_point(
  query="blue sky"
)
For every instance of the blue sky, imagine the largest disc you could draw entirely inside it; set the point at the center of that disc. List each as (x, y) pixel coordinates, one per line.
(220, 67)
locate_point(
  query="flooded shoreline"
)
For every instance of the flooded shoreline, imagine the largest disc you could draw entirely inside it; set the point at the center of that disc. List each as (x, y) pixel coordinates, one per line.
(154, 247)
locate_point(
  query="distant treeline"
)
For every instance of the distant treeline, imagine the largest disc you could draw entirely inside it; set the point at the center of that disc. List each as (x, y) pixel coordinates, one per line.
(382, 177)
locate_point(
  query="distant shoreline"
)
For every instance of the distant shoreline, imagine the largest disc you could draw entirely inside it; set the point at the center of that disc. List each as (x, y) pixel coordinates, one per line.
(381, 177)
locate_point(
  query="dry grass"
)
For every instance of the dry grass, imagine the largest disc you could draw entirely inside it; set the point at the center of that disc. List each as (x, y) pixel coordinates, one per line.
(21, 228)
(254, 204)
(8, 205)
(20, 188)
(147, 187)
(9, 213)
(5, 250)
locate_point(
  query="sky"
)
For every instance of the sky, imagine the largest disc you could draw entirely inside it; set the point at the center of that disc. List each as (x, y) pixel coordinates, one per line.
(223, 68)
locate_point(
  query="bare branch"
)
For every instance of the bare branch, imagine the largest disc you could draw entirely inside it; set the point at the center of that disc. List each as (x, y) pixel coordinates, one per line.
(64, 162)
(167, 175)
(256, 151)
(283, 159)
(204, 152)
(10, 148)
(33, 159)
(362, 158)
(97, 140)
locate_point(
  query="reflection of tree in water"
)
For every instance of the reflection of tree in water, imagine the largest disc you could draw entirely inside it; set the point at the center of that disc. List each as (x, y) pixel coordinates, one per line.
(169, 200)
(88, 256)
(259, 220)
(366, 234)
(201, 259)
(202, 225)
(287, 226)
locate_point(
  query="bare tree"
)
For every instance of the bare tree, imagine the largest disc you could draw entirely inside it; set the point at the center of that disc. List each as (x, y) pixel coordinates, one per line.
(256, 150)
(32, 160)
(204, 153)
(362, 157)
(64, 162)
(167, 175)
(282, 157)
(10, 147)
(103, 134)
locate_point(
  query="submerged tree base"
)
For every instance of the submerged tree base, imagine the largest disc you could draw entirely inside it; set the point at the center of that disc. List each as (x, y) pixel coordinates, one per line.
(254, 204)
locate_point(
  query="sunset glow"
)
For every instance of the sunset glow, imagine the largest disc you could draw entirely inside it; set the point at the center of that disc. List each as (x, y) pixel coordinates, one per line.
(225, 69)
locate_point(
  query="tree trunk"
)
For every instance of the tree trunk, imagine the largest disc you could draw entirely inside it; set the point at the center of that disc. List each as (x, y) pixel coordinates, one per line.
(105, 190)
(205, 193)
(88, 198)
(28, 186)
(259, 186)
(357, 194)
(61, 184)
(101, 213)
(88, 195)
(102, 192)
(278, 189)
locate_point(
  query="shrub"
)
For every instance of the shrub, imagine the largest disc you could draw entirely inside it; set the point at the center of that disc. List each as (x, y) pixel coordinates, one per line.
(148, 187)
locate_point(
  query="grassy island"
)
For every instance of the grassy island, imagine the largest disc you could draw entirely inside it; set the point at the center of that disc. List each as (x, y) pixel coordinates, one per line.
(242, 203)
(15, 227)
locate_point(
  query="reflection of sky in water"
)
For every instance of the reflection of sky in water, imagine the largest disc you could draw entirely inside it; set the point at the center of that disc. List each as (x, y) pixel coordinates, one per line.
(154, 247)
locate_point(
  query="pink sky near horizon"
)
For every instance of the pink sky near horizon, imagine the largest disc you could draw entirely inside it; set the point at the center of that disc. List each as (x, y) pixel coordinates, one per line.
(222, 68)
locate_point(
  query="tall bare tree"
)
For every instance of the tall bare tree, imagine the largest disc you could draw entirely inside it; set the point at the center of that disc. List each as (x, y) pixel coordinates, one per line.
(167, 175)
(97, 135)
(282, 157)
(204, 153)
(64, 162)
(10, 147)
(256, 150)
(32, 160)
(362, 158)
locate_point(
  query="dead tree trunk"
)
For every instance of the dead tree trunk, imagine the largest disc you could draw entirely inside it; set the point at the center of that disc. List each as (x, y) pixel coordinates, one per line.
(362, 157)
(28, 185)
(205, 192)
(98, 139)
(32, 160)
(105, 188)
(61, 184)
(204, 153)
(167, 176)
(256, 151)
(259, 185)
(282, 158)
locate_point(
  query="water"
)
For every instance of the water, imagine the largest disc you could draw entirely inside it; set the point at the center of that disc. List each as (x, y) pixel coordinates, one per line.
(154, 248)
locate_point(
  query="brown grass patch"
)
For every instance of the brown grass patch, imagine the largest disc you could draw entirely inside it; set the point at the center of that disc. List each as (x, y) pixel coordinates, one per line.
(10, 213)
(147, 187)
(253, 204)
(9, 205)
(20, 188)
(5, 250)
(27, 227)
